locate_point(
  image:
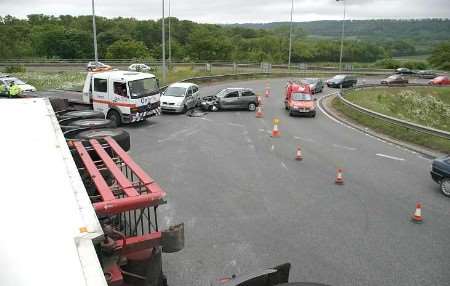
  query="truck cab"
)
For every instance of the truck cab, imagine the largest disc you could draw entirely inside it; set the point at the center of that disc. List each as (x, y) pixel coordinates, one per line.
(123, 96)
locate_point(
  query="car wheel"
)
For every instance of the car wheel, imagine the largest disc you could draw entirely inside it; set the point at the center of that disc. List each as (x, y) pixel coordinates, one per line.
(252, 106)
(445, 187)
(114, 116)
(83, 114)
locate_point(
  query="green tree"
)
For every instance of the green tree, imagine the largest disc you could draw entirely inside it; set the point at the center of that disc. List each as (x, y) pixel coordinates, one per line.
(440, 57)
(127, 49)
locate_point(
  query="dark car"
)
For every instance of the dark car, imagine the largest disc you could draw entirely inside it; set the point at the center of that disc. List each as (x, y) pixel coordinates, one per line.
(231, 98)
(315, 84)
(426, 74)
(440, 173)
(404, 71)
(343, 80)
(395, 79)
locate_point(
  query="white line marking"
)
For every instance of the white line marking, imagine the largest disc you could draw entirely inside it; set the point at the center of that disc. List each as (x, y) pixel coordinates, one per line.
(304, 139)
(261, 130)
(284, 166)
(249, 140)
(207, 119)
(273, 147)
(234, 124)
(390, 157)
(344, 147)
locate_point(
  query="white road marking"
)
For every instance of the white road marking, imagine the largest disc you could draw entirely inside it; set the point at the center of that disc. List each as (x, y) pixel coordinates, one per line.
(304, 139)
(234, 124)
(249, 140)
(261, 130)
(273, 147)
(344, 147)
(284, 166)
(390, 157)
(207, 119)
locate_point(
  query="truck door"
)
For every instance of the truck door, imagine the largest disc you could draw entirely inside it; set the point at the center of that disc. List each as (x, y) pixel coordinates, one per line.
(100, 95)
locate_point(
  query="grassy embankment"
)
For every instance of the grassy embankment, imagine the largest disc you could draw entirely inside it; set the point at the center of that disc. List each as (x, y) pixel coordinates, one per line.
(429, 106)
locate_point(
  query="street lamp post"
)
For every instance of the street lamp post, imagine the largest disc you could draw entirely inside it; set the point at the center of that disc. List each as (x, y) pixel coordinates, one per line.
(95, 32)
(163, 47)
(290, 36)
(342, 38)
(170, 37)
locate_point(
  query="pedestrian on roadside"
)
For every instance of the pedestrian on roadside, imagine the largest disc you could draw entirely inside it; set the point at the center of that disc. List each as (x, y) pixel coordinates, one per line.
(14, 90)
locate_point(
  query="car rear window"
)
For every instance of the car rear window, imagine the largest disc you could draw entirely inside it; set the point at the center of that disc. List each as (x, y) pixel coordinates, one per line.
(248, 93)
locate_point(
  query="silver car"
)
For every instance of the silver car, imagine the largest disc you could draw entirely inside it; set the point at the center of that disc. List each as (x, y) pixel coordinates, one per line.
(140, 68)
(179, 97)
(237, 98)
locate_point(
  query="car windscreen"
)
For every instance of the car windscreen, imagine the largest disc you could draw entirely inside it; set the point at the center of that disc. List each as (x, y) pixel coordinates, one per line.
(310, 80)
(15, 80)
(339, 76)
(175, 91)
(143, 87)
(298, 96)
(393, 77)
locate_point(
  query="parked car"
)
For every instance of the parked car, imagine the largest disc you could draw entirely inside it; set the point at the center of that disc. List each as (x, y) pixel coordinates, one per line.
(232, 98)
(426, 74)
(179, 97)
(315, 84)
(440, 173)
(301, 103)
(440, 80)
(140, 68)
(342, 80)
(97, 66)
(395, 79)
(24, 87)
(405, 71)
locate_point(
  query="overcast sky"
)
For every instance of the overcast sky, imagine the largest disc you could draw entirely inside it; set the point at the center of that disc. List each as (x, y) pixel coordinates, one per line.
(234, 11)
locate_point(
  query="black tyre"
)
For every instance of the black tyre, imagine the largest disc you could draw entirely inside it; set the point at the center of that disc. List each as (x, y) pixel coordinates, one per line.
(313, 115)
(92, 123)
(121, 136)
(115, 118)
(83, 114)
(445, 187)
(252, 106)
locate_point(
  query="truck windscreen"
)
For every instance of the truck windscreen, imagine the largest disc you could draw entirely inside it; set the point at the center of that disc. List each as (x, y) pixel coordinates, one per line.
(143, 87)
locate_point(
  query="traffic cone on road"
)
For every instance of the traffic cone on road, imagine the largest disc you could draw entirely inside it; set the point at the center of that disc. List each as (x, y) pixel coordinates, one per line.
(339, 178)
(275, 131)
(298, 155)
(267, 93)
(417, 215)
(259, 100)
(259, 113)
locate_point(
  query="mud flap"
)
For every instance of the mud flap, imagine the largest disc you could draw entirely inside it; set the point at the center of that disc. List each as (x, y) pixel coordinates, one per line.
(172, 240)
(268, 277)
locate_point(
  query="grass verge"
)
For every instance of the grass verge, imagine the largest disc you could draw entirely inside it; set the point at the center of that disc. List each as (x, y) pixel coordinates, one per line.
(394, 131)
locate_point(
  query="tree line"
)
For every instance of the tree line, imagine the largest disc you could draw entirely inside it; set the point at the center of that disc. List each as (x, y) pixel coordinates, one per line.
(67, 37)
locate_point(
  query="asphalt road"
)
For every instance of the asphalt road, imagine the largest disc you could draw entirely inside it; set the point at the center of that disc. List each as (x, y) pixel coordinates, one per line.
(247, 204)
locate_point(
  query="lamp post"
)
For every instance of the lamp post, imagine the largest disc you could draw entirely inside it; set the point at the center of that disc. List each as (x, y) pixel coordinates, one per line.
(342, 38)
(94, 28)
(290, 36)
(163, 47)
(170, 37)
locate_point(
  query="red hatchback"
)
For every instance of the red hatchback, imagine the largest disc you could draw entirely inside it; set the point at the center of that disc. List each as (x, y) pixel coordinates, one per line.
(440, 80)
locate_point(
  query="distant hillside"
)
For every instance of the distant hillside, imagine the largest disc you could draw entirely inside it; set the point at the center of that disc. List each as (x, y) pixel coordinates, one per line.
(421, 33)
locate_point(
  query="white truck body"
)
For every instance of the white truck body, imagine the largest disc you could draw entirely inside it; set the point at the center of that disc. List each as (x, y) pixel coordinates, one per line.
(48, 221)
(134, 96)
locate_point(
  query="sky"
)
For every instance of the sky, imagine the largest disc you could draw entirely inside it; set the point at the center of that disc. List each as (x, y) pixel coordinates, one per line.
(234, 11)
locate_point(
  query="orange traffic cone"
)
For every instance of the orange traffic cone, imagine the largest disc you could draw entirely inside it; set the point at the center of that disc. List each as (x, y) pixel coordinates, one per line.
(339, 177)
(259, 100)
(259, 113)
(267, 93)
(298, 155)
(275, 131)
(417, 215)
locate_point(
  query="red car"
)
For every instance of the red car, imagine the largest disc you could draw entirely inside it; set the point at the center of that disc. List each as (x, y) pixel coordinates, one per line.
(299, 100)
(440, 80)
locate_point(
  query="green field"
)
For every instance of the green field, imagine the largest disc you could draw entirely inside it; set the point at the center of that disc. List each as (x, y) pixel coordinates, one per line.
(429, 106)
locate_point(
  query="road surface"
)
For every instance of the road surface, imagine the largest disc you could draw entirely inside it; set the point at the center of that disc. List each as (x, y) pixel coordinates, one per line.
(247, 204)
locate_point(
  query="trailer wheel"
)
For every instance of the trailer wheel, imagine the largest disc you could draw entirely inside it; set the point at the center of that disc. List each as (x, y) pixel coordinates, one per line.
(119, 135)
(93, 123)
(114, 116)
(83, 114)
